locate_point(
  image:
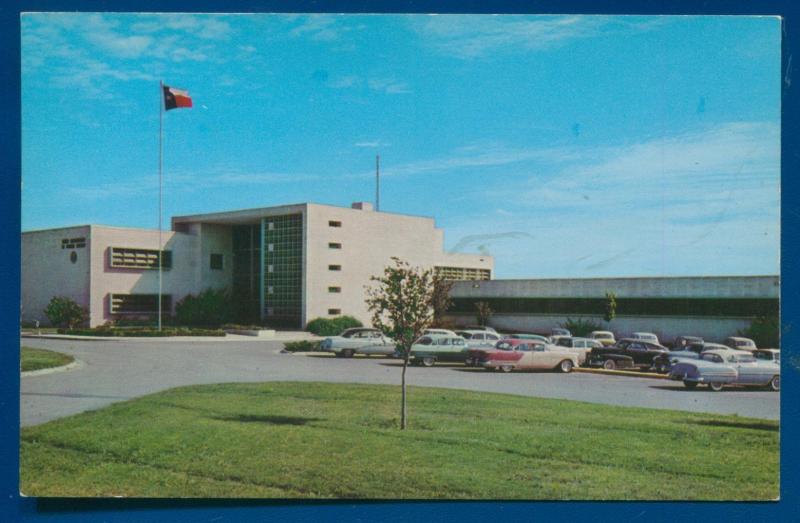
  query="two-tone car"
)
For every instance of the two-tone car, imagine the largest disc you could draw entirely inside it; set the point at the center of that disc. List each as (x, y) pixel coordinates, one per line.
(429, 349)
(663, 362)
(523, 336)
(628, 353)
(581, 346)
(358, 340)
(515, 354)
(718, 368)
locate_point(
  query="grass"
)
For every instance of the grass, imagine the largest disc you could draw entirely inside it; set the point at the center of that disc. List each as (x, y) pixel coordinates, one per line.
(318, 440)
(36, 359)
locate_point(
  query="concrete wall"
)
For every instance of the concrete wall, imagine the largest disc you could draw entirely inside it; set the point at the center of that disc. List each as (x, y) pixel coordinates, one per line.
(216, 239)
(178, 281)
(47, 271)
(369, 240)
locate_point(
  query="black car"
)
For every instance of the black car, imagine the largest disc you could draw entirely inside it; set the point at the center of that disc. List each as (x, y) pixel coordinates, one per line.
(663, 362)
(628, 353)
(681, 342)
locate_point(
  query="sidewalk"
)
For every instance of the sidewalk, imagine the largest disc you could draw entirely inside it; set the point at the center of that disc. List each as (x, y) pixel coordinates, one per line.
(281, 336)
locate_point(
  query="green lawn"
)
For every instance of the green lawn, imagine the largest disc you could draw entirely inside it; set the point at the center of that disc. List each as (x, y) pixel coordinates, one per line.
(35, 359)
(318, 440)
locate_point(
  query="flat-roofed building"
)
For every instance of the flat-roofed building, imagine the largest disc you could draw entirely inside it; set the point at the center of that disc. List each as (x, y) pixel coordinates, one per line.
(284, 265)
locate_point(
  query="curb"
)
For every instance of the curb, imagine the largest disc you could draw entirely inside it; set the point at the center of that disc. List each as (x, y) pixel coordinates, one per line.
(631, 373)
(76, 364)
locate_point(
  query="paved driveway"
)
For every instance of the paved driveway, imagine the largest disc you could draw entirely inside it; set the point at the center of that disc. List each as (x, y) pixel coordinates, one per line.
(120, 370)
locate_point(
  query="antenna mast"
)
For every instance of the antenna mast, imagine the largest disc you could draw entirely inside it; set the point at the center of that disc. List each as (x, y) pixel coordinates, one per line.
(377, 182)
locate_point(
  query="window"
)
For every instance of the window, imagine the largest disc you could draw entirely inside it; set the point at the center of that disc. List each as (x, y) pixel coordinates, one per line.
(334, 312)
(335, 289)
(333, 245)
(270, 289)
(270, 226)
(334, 267)
(127, 258)
(217, 261)
(138, 303)
(334, 223)
(270, 247)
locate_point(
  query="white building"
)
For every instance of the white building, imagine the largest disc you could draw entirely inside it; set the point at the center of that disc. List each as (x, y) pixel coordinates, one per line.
(284, 265)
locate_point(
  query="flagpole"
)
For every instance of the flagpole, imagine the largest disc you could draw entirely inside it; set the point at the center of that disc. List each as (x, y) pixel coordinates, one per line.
(160, 179)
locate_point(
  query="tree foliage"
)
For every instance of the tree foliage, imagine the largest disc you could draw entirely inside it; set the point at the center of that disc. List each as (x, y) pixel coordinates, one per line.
(210, 308)
(331, 326)
(401, 303)
(581, 327)
(64, 312)
(440, 300)
(611, 307)
(483, 312)
(764, 331)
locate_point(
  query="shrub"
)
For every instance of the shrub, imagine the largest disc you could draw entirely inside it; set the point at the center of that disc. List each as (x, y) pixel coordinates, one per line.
(581, 327)
(332, 326)
(63, 312)
(238, 327)
(141, 332)
(301, 346)
(764, 330)
(209, 308)
(484, 312)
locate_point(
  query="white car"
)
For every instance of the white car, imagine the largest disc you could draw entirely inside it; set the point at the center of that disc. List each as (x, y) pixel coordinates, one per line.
(359, 340)
(438, 332)
(646, 336)
(604, 337)
(479, 339)
(738, 343)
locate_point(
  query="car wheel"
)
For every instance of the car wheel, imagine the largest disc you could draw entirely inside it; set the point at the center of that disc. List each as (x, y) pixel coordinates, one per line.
(775, 383)
(609, 365)
(428, 361)
(348, 353)
(690, 384)
(661, 368)
(715, 386)
(565, 366)
(506, 368)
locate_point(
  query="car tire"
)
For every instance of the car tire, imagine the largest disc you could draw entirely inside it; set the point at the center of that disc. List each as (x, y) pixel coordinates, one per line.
(609, 365)
(348, 353)
(506, 368)
(775, 383)
(428, 361)
(715, 386)
(565, 366)
(661, 368)
(691, 385)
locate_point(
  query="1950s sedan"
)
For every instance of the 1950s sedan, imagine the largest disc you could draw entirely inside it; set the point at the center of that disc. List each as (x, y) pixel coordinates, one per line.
(718, 368)
(429, 349)
(517, 354)
(358, 340)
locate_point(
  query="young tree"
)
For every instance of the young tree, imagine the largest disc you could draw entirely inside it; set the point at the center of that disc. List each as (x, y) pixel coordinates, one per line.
(484, 312)
(401, 306)
(611, 307)
(441, 300)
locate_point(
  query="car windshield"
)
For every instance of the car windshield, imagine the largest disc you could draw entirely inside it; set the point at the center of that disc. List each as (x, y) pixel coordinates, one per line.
(716, 358)
(745, 359)
(504, 345)
(604, 335)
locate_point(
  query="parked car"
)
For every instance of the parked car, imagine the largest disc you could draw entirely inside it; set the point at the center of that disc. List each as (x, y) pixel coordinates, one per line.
(717, 368)
(479, 338)
(604, 337)
(559, 331)
(480, 328)
(429, 349)
(439, 332)
(646, 336)
(682, 341)
(521, 336)
(626, 354)
(513, 354)
(736, 342)
(768, 355)
(556, 338)
(359, 340)
(663, 362)
(582, 346)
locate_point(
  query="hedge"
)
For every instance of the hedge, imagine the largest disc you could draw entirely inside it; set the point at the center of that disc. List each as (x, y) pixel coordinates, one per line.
(332, 326)
(142, 333)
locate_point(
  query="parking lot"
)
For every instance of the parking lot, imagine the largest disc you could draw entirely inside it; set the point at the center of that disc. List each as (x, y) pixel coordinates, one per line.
(118, 370)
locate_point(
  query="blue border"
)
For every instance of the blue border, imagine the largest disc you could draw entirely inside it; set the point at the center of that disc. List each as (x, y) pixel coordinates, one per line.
(14, 508)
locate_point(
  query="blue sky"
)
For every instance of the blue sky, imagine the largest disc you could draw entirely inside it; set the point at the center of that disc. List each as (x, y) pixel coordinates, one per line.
(566, 146)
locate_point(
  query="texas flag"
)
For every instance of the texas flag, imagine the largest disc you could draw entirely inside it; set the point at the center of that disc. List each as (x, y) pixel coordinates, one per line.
(176, 98)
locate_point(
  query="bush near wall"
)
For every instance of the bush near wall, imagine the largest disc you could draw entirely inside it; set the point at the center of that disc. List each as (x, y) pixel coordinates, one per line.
(209, 308)
(580, 327)
(332, 326)
(64, 312)
(141, 333)
(765, 331)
